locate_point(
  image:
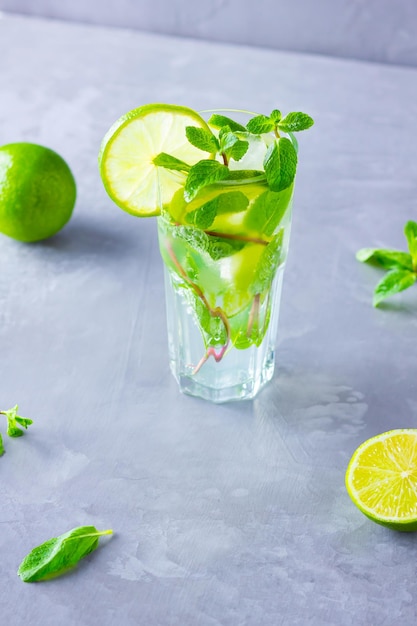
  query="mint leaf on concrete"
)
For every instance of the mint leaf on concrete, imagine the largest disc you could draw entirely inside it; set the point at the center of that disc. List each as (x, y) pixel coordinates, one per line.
(388, 259)
(58, 554)
(14, 421)
(410, 232)
(392, 283)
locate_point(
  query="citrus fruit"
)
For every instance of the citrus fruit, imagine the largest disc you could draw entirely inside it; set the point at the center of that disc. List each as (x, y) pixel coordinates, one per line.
(381, 479)
(37, 191)
(127, 151)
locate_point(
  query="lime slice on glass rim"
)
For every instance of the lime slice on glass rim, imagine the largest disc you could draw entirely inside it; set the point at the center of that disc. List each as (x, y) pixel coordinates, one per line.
(381, 479)
(127, 151)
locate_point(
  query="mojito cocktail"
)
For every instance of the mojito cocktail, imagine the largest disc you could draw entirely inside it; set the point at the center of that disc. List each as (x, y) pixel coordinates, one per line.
(221, 184)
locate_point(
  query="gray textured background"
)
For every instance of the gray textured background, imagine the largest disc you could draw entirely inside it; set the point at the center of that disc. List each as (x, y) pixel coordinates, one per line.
(231, 515)
(375, 30)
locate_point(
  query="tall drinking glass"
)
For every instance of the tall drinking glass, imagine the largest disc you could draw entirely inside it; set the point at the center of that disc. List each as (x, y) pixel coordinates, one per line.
(224, 256)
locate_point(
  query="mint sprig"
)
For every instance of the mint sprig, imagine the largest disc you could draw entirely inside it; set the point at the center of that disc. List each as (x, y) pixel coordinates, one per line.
(14, 424)
(232, 143)
(292, 123)
(401, 266)
(261, 124)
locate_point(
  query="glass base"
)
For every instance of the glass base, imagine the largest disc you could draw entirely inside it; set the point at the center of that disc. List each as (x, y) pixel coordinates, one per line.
(244, 390)
(239, 374)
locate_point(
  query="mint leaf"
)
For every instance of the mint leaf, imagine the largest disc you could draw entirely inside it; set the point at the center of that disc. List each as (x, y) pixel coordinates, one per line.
(258, 319)
(410, 232)
(393, 282)
(272, 165)
(203, 173)
(14, 420)
(204, 216)
(218, 121)
(23, 421)
(216, 246)
(267, 211)
(171, 163)
(203, 139)
(194, 237)
(229, 202)
(294, 122)
(276, 116)
(212, 327)
(288, 158)
(267, 266)
(231, 145)
(220, 247)
(238, 150)
(388, 259)
(260, 124)
(280, 164)
(1, 446)
(57, 555)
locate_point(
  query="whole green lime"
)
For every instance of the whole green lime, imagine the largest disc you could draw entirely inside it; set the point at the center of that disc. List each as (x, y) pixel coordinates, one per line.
(37, 191)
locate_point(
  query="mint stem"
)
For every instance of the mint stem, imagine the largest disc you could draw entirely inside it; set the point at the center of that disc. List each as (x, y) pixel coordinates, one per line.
(99, 533)
(236, 237)
(233, 236)
(217, 312)
(225, 159)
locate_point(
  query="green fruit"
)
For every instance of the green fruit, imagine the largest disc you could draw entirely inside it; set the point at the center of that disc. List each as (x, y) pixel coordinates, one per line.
(129, 175)
(37, 192)
(381, 479)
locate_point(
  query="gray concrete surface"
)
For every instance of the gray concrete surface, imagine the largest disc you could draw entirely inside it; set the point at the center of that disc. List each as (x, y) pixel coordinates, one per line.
(374, 30)
(231, 515)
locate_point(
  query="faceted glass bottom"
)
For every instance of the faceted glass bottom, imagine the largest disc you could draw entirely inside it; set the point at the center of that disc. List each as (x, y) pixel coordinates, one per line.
(239, 375)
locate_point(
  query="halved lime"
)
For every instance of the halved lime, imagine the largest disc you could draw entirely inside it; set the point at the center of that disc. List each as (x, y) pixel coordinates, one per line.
(381, 479)
(126, 156)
